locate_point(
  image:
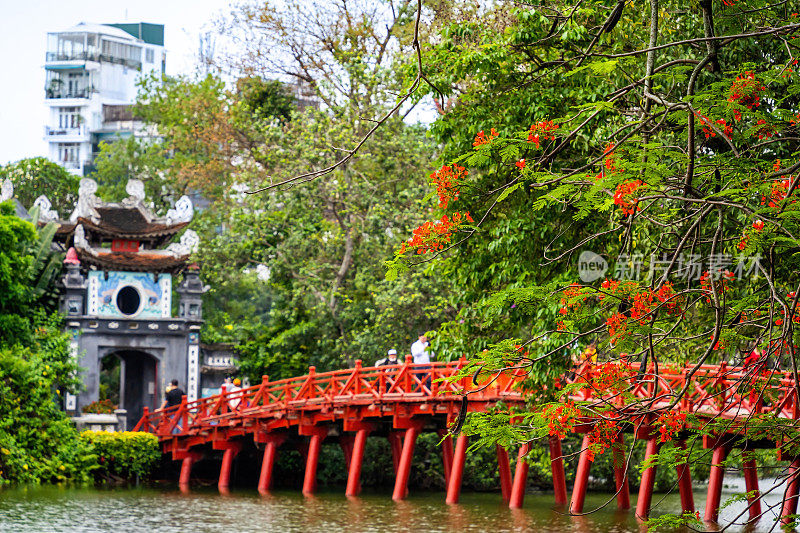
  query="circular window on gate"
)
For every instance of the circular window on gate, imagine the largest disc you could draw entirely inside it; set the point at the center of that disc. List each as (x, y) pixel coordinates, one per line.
(128, 300)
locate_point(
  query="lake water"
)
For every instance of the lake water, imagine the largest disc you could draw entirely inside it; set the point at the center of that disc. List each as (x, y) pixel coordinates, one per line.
(54, 509)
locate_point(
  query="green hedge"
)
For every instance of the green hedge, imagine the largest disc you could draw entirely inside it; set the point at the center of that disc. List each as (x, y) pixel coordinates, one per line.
(128, 455)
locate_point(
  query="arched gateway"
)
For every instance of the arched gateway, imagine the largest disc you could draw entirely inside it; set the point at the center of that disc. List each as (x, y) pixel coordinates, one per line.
(118, 298)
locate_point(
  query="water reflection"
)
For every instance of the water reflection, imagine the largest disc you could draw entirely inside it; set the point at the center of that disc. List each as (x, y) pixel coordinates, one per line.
(89, 510)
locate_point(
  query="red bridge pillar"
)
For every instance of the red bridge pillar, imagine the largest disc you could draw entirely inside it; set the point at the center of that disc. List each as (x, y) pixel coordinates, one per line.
(396, 444)
(457, 471)
(317, 434)
(356, 460)
(447, 453)
(581, 478)
(751, 486)
(621, 473)
(271, 443)
(520, 479)
(557, 468)
(232, 449)
(715, 478)
(404, 468)
(505, 472)
(790, 496)
(648, 480)
(189, 458)
(685, 483)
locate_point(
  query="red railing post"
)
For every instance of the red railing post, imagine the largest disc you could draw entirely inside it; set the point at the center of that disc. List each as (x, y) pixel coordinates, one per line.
(648, 480)
(685, 482)
(621, 473)
(357, 376)
(311, 382)
(356, 460)
(404, 468)
(407, 382)
(751, 486)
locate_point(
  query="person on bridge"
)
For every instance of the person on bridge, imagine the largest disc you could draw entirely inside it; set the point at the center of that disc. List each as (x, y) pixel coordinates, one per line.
(233, 390)
(173, 395)
(390, 359)
(419, 351)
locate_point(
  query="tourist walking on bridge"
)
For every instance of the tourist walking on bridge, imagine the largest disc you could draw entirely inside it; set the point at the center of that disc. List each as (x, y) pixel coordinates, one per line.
(390, 359)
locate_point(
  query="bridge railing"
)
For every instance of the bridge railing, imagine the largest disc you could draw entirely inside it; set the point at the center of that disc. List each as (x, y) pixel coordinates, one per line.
(348, 386)
(717, 390)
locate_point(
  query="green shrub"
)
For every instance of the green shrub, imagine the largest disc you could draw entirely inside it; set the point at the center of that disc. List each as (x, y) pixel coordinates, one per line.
(128, 455)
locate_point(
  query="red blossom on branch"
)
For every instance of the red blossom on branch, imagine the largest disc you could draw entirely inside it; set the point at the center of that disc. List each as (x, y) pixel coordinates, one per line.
(542, 131)
(434, 235)
(623, 194)
(481, 138)
(447, 181)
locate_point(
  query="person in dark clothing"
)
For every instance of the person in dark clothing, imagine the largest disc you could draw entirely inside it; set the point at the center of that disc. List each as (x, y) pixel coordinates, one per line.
(391, 359)
(173, 396)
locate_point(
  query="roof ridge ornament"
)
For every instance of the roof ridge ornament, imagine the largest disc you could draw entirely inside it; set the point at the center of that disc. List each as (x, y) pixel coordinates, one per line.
(182, 212)
(86, 201)
(6, 190)
(135, 190)
(188, 244)
(45, 213)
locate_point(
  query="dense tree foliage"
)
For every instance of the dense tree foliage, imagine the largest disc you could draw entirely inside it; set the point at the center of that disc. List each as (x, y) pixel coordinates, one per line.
(39, 176)
(658, 136)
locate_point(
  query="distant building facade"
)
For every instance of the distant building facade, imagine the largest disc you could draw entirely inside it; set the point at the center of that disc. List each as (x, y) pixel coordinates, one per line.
(91, 76)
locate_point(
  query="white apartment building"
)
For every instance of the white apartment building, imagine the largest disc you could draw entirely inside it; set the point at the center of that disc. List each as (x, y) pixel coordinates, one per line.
(92, 71)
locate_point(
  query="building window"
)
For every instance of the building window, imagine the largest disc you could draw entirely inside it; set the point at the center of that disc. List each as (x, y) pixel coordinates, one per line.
(69, 154)
(69, 117)
(149, 55)
(128, 300)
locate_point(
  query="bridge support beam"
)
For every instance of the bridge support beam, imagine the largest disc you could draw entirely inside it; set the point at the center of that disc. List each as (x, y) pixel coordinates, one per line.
(356, 460)
(271, 443)
(520, 479)
(581, 477)
(648, 480)
(789, 508)
(447, 453)
(457, 471)
(232, 449)
(685, 483)
(621, 473)
(504, 469)
(404, 468)
(715, 478)
(751, 486)
(317, 434)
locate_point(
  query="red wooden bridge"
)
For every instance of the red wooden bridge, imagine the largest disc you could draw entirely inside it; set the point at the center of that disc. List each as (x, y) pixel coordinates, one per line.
(399, 402)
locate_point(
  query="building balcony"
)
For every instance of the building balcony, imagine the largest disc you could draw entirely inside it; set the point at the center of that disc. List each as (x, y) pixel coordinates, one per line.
(52, 93)
(65, 135)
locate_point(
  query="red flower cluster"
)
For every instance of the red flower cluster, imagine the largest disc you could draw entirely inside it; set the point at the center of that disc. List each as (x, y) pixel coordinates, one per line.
(765, 131)
(570, 294)
(672, 303)
(622, 196)
(481, 138)
(520, 164)
(433, 236)
(447, 180)
(609, 285)
(642, 305)
(601, 437)
(779, 190)
(743, 243)
(613, 376)
(744, 91)
(670, 423)
(721, 284)
(758, 225)
(617, 326)
(562, 420)
(541, 132)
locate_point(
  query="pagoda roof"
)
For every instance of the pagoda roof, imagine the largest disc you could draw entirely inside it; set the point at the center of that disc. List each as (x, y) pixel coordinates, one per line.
(171, 259)
(128, 219)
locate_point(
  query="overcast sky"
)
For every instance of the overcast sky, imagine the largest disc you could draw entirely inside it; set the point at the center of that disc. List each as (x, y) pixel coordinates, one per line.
(23, 36)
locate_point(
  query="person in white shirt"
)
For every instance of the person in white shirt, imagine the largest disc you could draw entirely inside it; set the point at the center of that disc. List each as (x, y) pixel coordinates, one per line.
(419, 351)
